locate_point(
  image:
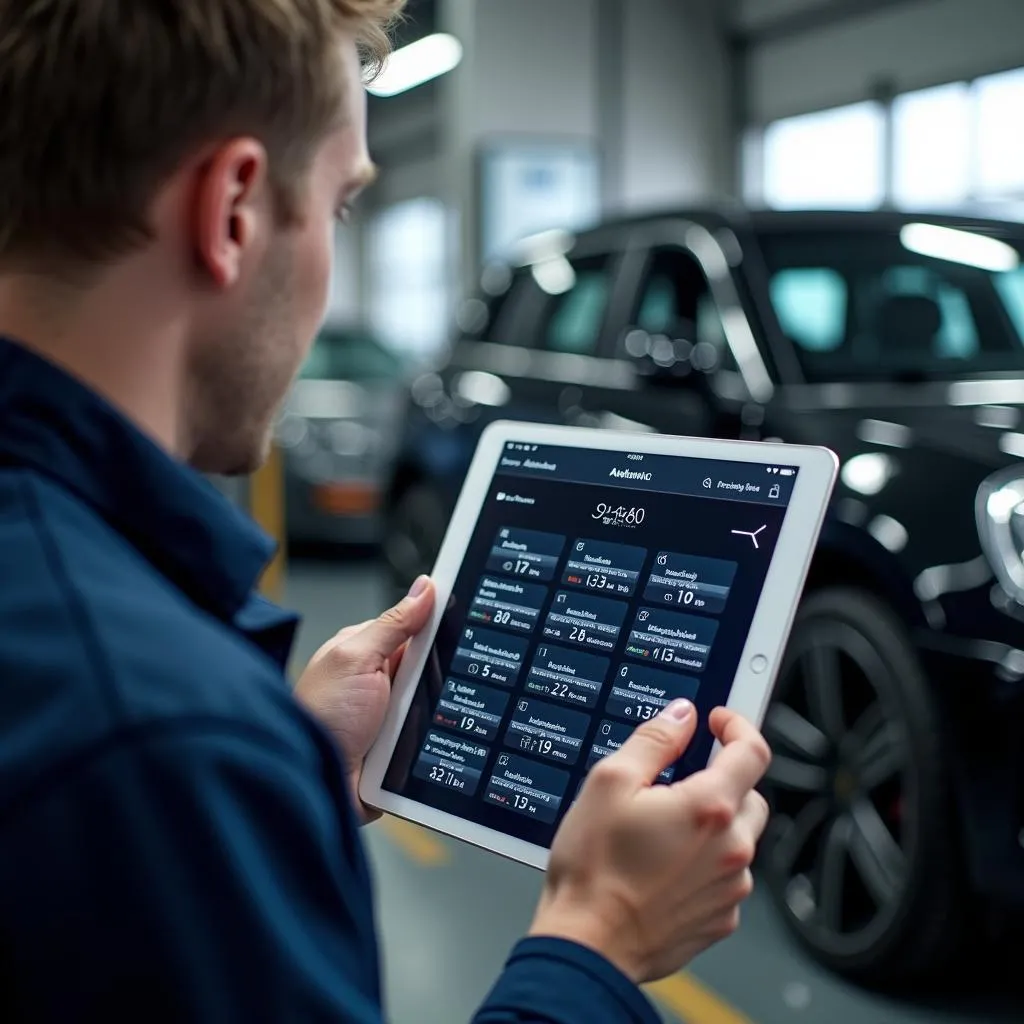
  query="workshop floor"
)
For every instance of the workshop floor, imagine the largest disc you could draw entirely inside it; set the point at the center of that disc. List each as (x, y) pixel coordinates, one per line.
(449, 913)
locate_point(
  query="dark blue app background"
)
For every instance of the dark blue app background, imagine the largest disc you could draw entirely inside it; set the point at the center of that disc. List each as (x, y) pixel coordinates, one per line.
(596, 587)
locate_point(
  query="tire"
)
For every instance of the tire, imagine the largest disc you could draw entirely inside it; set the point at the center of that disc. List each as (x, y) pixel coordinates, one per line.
(414, 529)
(861, 856)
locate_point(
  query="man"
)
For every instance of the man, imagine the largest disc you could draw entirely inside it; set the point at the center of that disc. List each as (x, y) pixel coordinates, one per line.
(179, 833)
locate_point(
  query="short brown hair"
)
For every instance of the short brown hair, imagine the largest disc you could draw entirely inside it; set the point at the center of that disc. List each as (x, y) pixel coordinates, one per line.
(100, 100)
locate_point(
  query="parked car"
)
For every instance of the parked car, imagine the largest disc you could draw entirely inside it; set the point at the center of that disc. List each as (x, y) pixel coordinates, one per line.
(898, 341)
(339, 432)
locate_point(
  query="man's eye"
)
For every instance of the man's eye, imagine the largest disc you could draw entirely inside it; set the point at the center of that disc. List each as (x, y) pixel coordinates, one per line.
(344, 213)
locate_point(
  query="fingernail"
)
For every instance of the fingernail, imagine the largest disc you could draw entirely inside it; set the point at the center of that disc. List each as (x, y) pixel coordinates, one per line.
(678, 710)
(420, 586)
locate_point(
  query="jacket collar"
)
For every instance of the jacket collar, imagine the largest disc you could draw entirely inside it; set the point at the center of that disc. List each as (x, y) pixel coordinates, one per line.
(180, 523)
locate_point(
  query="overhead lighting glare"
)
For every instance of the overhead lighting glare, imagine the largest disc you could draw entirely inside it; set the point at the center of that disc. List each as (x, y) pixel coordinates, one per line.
(419, 62)
(554, 276)
(956, 246)
(868, 473)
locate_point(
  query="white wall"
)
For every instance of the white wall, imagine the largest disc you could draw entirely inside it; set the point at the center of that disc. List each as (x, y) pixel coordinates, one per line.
(677, 104)
(912, 45)
(535, 70)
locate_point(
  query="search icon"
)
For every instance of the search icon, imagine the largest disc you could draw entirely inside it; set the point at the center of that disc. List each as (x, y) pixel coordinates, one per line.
(707, 482)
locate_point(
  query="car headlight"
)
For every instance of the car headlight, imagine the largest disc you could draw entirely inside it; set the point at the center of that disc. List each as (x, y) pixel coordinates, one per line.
(1000, 515)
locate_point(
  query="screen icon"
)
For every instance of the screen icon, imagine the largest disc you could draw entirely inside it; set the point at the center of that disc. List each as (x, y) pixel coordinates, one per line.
(753, 535)
(707, 483)
(774, 492)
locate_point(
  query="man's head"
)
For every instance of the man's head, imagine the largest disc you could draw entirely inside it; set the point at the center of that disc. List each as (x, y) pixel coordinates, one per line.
(202, 150)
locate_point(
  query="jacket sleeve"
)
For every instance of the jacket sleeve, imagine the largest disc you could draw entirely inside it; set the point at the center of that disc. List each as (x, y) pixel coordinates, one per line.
(206, 872)
(550, 981)
(197, 873)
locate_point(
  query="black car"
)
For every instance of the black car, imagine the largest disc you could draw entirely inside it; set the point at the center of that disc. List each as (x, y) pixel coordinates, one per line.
(897, 341)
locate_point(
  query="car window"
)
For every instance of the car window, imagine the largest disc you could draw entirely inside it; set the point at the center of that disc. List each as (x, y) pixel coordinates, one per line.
(1011, 290)
(810, 303)
(675, 300)
(862, 305)
(575, 312)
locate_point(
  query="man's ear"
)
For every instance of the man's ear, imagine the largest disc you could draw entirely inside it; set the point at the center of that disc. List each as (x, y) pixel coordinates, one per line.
(229, 195)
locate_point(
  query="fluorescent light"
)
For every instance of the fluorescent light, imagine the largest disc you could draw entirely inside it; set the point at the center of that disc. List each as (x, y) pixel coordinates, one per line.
(417, 63)
(960, 247)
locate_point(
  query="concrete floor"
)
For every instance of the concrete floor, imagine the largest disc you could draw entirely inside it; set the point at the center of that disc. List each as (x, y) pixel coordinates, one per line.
(449, 914)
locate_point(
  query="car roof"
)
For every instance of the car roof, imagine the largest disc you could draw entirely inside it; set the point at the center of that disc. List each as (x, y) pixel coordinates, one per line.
(783, 221)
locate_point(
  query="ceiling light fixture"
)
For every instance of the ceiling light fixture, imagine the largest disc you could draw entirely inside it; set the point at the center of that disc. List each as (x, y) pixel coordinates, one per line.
(419, 62)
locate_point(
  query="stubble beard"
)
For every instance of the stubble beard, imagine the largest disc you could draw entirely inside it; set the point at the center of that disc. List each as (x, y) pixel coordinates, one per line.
(240, 380)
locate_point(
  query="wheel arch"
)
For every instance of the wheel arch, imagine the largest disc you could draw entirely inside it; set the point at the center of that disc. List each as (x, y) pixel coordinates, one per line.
(851, 557)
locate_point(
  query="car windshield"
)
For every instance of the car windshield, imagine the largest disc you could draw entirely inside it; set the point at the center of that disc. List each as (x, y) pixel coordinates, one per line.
(346, 354)
(918, 303)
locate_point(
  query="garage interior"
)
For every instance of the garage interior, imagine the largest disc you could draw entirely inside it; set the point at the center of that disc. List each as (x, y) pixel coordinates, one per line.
(542, 119)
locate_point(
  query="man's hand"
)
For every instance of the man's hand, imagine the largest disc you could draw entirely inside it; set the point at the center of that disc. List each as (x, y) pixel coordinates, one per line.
(347, 684)
(651, 875)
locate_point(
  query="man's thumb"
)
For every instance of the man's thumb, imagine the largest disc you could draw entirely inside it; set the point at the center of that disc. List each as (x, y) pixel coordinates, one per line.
(658, 743)
(386, 634)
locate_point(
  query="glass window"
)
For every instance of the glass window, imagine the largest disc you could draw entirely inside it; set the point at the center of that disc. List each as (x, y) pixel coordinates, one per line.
(932, 146)
(810, 303)
(676, 301)
(409, 293)
(575, 313)
(1011, 290)
(1000, 138)
(833, 158)
(859, 305)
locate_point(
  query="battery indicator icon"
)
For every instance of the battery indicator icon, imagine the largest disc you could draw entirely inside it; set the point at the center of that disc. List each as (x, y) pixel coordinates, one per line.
(788, 472)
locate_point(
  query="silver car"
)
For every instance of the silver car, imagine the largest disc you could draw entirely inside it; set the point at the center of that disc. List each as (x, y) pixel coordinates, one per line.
(339, 433)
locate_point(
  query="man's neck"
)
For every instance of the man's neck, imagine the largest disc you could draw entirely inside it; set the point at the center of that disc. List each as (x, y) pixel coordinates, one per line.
(113, 337)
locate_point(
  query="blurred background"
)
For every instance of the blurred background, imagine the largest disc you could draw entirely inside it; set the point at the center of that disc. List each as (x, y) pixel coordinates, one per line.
(786, 219)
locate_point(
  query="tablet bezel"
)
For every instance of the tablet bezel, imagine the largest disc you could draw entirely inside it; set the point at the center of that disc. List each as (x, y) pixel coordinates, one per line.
(770, 627)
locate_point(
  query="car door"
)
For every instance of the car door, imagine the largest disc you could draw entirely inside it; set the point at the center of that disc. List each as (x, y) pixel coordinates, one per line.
(548, 344)
(698, 368)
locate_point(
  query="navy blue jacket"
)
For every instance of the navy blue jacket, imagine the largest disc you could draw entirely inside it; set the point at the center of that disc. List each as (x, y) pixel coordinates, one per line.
(176, 837)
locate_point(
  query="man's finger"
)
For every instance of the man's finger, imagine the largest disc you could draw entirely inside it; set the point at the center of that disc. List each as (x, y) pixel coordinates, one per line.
(385, 635)
(744, 758)
(753, 815)
(395, 661)
(346, 634)
(657, 744)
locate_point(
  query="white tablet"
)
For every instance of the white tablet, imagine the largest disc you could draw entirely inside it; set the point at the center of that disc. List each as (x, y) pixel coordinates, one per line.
(587, 579)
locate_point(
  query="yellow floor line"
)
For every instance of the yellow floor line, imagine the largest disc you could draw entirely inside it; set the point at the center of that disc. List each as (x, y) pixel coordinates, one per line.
(688, 999)
(416, 843)
(681, 994)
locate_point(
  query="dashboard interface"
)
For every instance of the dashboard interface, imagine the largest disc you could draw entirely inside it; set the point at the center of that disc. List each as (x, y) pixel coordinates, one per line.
(596, 588)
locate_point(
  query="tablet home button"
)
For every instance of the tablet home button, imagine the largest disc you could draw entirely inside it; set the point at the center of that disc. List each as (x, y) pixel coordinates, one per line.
(758, 663)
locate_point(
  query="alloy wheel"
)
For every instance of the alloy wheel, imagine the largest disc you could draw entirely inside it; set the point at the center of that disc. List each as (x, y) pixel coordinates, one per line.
(843, 790)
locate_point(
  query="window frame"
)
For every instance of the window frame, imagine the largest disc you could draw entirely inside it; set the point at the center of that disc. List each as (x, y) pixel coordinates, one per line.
(519, 322)
(755, 380)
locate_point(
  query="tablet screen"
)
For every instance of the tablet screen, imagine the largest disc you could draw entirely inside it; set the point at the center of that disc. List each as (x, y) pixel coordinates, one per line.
(596, 588)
